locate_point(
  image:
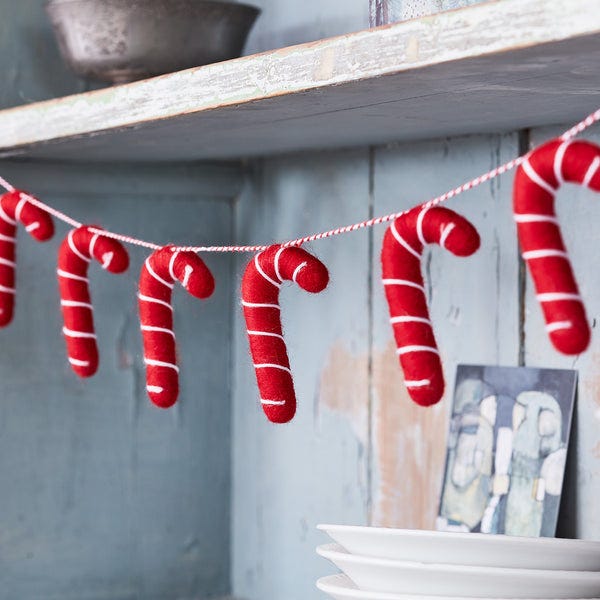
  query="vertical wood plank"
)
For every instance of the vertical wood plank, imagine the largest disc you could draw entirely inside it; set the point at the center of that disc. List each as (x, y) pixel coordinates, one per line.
(579, 213)
(284, 24)
(104, 495)
(473, 304)
(391, 11)
(289, 478)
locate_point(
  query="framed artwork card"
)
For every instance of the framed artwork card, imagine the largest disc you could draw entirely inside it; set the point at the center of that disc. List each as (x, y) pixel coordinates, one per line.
(507, 450)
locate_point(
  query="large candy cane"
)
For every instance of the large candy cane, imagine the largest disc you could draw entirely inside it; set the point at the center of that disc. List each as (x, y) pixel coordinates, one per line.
(260, 298)
(15, 208)
(160, 271)
(403, 246)
(74, 257)
(536, 183)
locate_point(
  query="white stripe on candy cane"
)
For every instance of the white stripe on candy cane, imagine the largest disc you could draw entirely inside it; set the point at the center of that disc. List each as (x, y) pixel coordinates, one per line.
(155, 301)
(74, 248)
(78, 334)
(276, 264)
(535, 177)
(68, 275)
(265, 333)
(7, 263)
(160, 363)
(445, 233)
(75, 303)
(420, 218)
(404, 282)
(157, 277)
(544, 253)
(272, 366)
(558, 161)
(410, 349)
(558, 325)
(77, 362)
(535, 218)
(6, 218)
(159, 329)
(558, 296)
(297, 271)
(20, 204)
(418, 383)
(260, 305)
(263, 274)
(410, 319)
(589, 175)
(403, 242)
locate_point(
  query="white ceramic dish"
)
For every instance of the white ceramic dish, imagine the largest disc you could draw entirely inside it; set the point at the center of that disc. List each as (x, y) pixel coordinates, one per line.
(473, 549)
(405, 577)
(340, 587)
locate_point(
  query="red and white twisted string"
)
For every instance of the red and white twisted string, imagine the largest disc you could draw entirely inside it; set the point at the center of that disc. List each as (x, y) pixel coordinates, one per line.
(584, 124)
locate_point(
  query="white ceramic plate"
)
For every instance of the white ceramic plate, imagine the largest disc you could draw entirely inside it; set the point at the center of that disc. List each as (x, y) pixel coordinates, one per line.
(405, 577)
(475, 549)
(340, 587)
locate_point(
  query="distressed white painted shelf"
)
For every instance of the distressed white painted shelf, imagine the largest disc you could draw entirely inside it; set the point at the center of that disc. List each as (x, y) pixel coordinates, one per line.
(496, 66)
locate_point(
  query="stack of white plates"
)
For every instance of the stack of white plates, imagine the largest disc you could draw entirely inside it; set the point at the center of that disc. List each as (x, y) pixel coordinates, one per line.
(397, 564)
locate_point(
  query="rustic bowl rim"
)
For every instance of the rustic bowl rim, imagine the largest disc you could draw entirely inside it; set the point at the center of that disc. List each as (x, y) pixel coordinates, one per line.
(243, 5)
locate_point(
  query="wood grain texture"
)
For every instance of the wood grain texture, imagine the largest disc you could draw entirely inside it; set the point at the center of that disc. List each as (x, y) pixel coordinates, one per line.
(104, 495)
(289, 478)
(578, 211)
(456, 72)
(473, 305)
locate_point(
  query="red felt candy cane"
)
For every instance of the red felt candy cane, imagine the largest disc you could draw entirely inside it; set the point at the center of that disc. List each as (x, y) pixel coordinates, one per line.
(75, 254)
(403, 246)
(160, 271)
(15, 208)
(536, 182)
(260, 298)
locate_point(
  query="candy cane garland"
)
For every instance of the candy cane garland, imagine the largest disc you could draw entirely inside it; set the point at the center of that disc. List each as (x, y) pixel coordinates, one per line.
(401, 253)
(260, 299)
(74, 256)
(14, 209)
(160, 271)
(536, 182)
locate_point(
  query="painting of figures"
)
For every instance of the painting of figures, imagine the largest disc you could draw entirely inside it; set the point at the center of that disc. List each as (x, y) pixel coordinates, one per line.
(507, 449)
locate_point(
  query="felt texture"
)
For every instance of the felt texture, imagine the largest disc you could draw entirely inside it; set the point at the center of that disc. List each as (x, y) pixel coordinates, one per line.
(14, 209)
(260, 299)
(401, 253)
(537, 180)
(74, 256)
(160, 271)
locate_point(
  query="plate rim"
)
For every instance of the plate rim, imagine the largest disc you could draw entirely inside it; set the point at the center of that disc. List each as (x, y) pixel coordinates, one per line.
(333, 551)
(457, 535)
(325, 585)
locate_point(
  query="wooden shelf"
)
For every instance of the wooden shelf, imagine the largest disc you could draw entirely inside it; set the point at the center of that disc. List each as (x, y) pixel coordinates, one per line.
(496, 66)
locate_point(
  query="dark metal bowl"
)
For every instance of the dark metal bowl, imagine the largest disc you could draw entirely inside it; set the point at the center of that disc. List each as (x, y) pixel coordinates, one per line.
(125, 40)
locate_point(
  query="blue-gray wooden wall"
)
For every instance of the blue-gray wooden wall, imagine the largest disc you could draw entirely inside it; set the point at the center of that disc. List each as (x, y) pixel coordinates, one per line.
(359, 451)
(102, 495)
(105, 497)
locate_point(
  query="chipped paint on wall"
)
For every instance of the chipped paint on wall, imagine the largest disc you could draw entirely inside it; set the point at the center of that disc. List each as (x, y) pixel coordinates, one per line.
(408, 450)
(342, 387)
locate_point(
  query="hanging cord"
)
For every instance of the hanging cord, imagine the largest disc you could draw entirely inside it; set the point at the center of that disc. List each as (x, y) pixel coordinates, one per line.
(500, 170)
